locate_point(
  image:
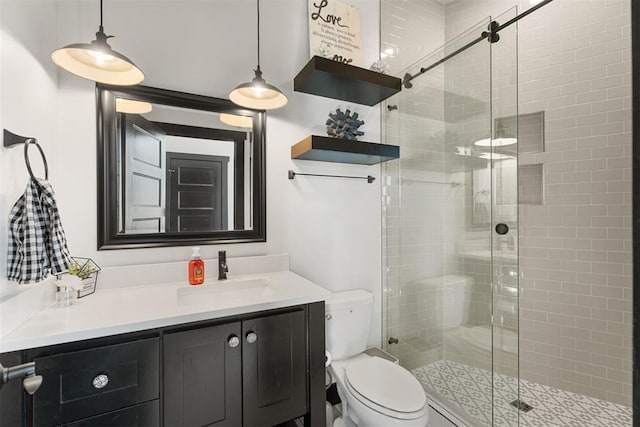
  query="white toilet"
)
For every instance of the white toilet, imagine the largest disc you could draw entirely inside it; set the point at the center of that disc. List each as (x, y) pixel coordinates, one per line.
(375, 392)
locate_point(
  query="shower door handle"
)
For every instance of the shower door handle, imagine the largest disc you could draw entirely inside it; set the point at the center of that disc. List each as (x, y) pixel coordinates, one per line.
(502, 228)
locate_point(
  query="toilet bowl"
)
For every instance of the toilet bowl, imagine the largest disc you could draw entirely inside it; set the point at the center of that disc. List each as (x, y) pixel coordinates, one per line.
(374, 391)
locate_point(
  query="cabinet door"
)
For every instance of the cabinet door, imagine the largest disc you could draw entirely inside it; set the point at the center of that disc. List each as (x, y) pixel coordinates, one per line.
(202, 377)
(274, 369)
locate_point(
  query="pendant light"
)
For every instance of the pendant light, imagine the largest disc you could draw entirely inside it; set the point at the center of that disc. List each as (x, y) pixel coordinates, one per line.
(97, 61)
(258, 94)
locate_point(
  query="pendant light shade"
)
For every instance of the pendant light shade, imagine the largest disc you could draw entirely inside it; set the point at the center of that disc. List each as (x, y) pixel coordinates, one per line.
(97, 61)
(258, 94)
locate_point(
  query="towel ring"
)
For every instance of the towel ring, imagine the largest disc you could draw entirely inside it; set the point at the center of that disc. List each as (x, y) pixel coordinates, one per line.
(26, 158)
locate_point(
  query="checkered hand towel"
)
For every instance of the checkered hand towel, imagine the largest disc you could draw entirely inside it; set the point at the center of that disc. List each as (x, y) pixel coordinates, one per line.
(37, 244)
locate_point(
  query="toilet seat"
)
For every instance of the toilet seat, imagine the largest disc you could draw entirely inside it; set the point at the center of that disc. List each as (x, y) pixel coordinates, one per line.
(385, 387)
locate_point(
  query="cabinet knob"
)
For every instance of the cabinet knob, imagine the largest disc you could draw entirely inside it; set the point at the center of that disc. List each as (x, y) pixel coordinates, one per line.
(251, 337)
(233, 341)
(100, 381)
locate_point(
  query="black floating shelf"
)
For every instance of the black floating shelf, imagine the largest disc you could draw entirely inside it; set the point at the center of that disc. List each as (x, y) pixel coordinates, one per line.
(333, 79)
(338, 150)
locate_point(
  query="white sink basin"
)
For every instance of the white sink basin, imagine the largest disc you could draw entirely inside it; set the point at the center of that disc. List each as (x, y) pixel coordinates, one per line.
(225, 291)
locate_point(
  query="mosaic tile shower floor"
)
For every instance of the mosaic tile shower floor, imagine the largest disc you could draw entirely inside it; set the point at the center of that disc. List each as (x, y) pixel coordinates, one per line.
(468, 390)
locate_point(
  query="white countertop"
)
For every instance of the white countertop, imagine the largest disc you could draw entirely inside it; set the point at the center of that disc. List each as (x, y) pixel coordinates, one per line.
(134, 308)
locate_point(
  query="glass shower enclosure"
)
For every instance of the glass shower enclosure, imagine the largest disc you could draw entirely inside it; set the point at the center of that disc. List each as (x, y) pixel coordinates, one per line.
(450, 228)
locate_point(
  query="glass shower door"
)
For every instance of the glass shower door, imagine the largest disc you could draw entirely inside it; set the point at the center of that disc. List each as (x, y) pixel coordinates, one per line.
(467, 283)
(504, 218)
(450, 313)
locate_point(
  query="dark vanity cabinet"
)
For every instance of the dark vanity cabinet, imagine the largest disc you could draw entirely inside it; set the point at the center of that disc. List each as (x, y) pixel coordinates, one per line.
(258, 369)
(250, 372)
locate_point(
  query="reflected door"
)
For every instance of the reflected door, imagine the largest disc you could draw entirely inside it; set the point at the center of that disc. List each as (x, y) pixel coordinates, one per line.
(144, 172)
(196, 192)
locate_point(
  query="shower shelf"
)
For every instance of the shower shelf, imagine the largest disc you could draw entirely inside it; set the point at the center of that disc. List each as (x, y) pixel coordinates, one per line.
(338, 150)
(333, 79)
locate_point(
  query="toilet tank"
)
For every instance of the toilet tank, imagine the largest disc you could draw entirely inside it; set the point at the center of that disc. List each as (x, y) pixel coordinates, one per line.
(455, 298)
(347, 320)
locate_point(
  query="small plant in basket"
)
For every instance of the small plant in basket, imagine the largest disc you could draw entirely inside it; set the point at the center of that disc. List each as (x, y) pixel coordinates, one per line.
(87, 271)
(83, 267)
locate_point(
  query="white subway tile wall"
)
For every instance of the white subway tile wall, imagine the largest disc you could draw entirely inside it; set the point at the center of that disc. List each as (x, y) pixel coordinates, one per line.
(414, 247)
(575, 248)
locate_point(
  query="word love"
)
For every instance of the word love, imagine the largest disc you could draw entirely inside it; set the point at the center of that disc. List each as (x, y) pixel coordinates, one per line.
(329, 18)
(342, 59)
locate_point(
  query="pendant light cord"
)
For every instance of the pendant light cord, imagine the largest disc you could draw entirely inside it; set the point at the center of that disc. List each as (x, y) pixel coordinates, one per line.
(258, 7)
(101, 28)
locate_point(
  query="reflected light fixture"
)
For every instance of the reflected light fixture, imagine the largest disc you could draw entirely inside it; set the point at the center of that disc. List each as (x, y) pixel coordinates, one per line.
(502, 139)
(130, 106)
(236, 120)
(496, 142)
(97, 61)
(258, 94)
(495, 156)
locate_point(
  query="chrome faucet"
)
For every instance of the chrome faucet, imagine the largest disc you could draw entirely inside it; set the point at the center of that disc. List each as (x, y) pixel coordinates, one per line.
(223, 268)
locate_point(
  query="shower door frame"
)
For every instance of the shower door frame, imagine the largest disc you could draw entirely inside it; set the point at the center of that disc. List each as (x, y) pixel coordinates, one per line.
(635, 58)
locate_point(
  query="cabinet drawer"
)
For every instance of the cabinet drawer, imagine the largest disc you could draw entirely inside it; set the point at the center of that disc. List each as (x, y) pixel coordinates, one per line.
(144, 415)
(85, 383)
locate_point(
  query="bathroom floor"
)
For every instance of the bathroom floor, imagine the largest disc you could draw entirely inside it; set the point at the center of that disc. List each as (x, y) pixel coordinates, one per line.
(468, 389)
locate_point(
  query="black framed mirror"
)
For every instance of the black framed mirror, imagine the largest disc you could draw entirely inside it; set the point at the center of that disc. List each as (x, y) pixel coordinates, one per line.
(178, 169)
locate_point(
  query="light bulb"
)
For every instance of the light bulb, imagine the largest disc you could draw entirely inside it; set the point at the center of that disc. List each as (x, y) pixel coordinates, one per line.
(100, 58)
(259, 91)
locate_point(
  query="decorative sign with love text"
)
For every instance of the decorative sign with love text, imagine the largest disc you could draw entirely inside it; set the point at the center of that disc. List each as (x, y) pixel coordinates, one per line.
(334, 31)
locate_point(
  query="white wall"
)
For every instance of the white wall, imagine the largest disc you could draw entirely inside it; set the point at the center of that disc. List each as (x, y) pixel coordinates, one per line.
(331, 228)
(27, 99)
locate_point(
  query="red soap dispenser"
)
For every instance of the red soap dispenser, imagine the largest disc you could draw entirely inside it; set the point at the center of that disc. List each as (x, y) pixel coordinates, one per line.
(196, 268)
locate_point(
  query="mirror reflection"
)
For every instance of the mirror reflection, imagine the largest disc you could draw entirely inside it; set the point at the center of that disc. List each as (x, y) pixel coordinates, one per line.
(181, 170)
